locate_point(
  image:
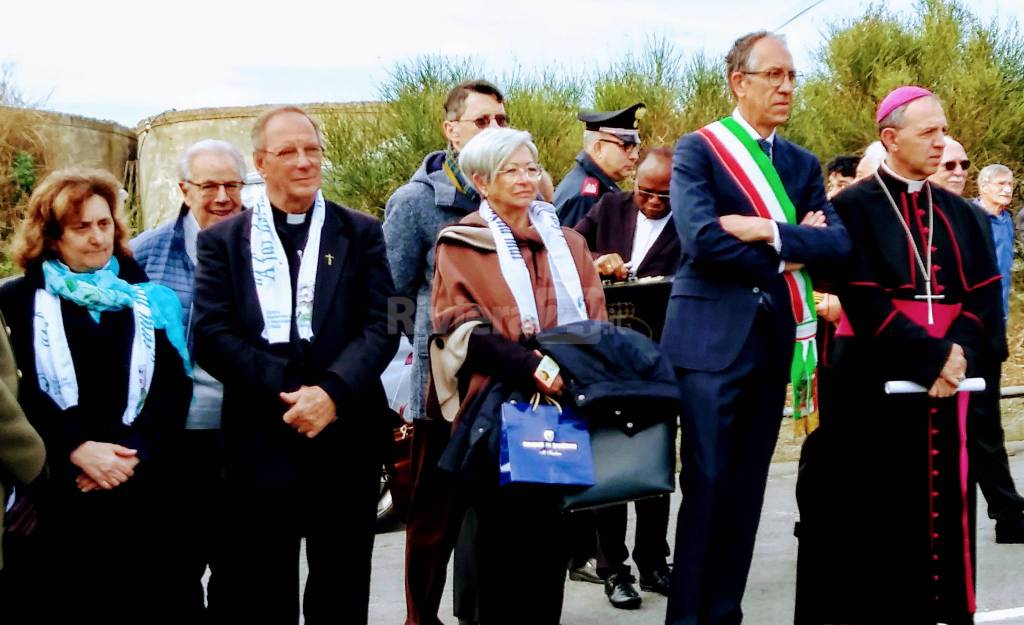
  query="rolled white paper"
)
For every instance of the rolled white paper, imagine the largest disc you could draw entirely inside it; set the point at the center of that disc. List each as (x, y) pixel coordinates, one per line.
(898, 387)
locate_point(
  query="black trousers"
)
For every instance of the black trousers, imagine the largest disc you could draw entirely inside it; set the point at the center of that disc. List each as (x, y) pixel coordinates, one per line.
(93, 555)
(258, 581)
(522, 551)
(988, 449)
(730, 422)
(197, 515)
(650, 547)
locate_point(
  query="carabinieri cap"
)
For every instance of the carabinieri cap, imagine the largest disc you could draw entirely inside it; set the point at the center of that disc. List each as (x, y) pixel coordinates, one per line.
(622, 123)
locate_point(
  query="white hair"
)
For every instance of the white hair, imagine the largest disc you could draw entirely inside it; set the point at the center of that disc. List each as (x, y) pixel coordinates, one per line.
(590, 137)
(209, 146)
(489, 150)
(991, 171)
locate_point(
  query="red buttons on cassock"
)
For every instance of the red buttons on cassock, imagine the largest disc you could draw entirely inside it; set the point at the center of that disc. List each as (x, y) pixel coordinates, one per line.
(935, 515)
(934, 432)
(935, 452)
(935, 473)
(935, 535)
(935, 493)
(935, 578)
(935, 557)
(934, 411)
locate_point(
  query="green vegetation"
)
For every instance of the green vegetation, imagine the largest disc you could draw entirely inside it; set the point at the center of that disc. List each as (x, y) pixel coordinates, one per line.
(977, 69)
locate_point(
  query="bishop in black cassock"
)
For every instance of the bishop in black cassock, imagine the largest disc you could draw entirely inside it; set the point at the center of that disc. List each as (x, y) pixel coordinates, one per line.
(885, 492)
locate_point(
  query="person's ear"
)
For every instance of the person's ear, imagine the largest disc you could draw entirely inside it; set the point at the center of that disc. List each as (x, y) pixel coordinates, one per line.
(888, 139)
(257, 160)
(450, 130)
(738, 84)
(480, 183)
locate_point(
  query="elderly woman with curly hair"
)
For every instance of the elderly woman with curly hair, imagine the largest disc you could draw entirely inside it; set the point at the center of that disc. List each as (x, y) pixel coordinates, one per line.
(503, 274)
(105, 379)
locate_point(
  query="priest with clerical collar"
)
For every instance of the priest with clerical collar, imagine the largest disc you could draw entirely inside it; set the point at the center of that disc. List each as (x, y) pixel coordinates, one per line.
(887, 499)
(291, 315)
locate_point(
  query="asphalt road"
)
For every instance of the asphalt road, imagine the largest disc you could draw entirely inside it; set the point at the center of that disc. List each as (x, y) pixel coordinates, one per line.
(769, 597)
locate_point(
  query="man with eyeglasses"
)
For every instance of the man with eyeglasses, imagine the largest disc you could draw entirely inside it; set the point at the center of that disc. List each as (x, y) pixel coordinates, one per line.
(952, 172)
(611, 148)
(1005, 504)
(210, 175)
(630, 233)
(751, 214)
(635, 225)
(436, 196)
(291, 315)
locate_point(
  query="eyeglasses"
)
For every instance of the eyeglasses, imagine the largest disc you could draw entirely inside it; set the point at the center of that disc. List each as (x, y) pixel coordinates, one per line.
(628, 148)
(644, 193)
(313, 153)
(210, 189)
(776, 76)
(484, 121)
(951, 165)
(531, 172)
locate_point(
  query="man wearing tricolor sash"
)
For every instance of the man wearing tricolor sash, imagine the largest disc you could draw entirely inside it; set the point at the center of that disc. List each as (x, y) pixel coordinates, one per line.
(886, 490)
(752, 216)
(291, 315)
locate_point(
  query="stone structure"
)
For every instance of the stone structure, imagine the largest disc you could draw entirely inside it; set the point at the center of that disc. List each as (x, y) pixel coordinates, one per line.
(162, 138)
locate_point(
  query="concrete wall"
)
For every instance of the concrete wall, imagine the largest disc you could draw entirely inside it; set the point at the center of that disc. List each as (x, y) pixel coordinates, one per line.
(162, 138)
(72, 140)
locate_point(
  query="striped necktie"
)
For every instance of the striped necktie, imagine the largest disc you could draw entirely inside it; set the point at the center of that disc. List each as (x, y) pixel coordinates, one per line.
(766, 147)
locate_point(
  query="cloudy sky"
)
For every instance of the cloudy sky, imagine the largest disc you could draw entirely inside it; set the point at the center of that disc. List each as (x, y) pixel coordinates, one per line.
(126, 60)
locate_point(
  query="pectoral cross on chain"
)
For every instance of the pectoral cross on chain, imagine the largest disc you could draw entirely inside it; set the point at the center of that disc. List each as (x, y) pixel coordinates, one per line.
(329, 258)
(928, 297)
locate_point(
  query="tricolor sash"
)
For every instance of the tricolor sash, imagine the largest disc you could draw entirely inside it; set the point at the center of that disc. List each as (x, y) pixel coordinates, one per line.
(755, 175)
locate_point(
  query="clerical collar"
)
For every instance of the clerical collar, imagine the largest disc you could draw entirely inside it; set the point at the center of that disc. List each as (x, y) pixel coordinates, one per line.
(292, 219)
(753, 133)
(913, 186)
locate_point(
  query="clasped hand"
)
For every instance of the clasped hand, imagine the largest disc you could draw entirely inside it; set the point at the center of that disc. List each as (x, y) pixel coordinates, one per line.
(104, 465)
(748, 229)
(952, 374)
(310, 410)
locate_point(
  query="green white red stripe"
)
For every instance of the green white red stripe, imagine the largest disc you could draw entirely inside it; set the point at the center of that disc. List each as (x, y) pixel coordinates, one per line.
(756, 177)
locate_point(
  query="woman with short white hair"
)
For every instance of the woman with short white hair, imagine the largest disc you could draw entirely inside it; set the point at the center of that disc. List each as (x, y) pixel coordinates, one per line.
(503, 274)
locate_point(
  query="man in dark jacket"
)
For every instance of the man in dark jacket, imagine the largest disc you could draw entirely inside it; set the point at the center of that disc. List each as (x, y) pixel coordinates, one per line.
(291, 315)
(632, 232)
(437, 195)
(611, 146)
(636, 226)
(210, 176)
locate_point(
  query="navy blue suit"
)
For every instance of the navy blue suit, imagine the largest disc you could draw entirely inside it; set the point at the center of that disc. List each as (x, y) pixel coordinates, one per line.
(730, 332)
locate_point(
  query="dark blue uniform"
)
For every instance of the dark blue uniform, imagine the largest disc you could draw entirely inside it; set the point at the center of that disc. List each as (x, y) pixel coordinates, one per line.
(581, 188)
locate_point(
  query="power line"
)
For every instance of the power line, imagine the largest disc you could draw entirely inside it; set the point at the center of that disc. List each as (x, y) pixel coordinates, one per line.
(795, 17)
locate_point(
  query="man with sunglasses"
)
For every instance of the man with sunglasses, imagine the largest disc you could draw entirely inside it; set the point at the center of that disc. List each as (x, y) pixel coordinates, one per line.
(635, 225)
(210, 176)
(437, 195)
(631, 232)
(611, 148)
(952, 172)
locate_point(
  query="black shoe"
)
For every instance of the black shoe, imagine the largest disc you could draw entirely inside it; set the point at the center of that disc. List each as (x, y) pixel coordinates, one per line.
(621, 592)
(1010, 531)
(586, 573)
(658, 580)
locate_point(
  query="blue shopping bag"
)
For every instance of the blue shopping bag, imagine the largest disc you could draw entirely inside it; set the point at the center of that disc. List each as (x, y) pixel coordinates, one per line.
(542, 443)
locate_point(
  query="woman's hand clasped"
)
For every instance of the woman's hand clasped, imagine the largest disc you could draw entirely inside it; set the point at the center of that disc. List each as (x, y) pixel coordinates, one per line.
(103, 465)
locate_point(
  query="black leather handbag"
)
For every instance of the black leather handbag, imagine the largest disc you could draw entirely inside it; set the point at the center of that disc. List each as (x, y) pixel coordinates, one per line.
(634, 458)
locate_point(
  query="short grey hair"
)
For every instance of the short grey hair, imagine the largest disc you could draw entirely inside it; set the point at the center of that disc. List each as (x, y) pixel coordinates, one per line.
(989, 172)
(897, 118)
(489, 150)
(209, 146)
(741, 56)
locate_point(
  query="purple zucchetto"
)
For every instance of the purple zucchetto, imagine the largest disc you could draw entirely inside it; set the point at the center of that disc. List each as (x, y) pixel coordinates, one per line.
(897, 98)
